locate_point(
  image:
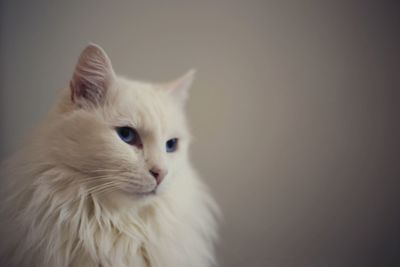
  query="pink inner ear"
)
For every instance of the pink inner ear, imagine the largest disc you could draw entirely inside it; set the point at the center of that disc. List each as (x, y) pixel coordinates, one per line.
(92, 76)
(180, 87)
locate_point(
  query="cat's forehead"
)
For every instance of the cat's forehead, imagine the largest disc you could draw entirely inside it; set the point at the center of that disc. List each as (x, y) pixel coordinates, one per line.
(144, 106)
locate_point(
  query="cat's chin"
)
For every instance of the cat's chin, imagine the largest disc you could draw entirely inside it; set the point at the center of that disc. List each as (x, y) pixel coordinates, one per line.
(121, 200)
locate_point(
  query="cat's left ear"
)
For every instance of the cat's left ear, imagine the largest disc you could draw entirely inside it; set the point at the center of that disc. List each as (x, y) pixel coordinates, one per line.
(180, 87)
(92, 77)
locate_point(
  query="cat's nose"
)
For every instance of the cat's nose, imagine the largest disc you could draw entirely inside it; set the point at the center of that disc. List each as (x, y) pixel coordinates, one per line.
(158, 174)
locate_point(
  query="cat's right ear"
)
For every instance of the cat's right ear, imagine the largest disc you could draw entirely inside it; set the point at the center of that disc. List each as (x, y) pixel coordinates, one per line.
(92, 77)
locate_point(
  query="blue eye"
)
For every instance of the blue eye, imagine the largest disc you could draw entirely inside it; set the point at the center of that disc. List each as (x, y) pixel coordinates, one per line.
(129, 136)
(171, 145)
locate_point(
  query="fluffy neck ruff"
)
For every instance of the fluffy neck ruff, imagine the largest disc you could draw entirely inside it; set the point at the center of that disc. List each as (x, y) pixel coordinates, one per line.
(62, 225)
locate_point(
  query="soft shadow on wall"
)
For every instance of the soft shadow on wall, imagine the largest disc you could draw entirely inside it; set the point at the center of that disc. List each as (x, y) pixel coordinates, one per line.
(294, 112)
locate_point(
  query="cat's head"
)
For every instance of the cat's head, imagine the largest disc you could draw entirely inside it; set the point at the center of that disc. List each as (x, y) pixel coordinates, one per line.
(120, 135)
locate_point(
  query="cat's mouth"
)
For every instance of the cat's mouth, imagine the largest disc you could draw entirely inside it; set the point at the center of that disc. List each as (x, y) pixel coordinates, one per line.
(147, 191)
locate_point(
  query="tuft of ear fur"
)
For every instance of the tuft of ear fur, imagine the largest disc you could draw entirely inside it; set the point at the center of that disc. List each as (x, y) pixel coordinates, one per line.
(180, 87)
(92, 76)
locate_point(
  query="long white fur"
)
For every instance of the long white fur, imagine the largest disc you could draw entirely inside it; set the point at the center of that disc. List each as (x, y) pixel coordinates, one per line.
(69, 196)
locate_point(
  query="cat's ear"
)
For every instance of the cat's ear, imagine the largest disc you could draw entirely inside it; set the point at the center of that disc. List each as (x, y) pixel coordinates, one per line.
(92, 76)
(180, 87)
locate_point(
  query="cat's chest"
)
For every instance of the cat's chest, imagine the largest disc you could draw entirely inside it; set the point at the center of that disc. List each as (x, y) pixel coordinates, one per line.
(151, 241)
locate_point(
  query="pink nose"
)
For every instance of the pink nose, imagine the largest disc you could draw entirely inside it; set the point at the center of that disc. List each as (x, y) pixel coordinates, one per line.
(158, 174)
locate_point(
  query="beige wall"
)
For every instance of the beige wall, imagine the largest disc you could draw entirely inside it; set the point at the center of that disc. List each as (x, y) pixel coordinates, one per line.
(295, 110)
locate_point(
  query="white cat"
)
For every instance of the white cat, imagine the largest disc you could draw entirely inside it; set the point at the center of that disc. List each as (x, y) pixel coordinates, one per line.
(106, 179)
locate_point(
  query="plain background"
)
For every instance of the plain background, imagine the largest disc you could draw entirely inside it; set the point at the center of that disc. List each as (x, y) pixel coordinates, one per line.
(295, 110)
